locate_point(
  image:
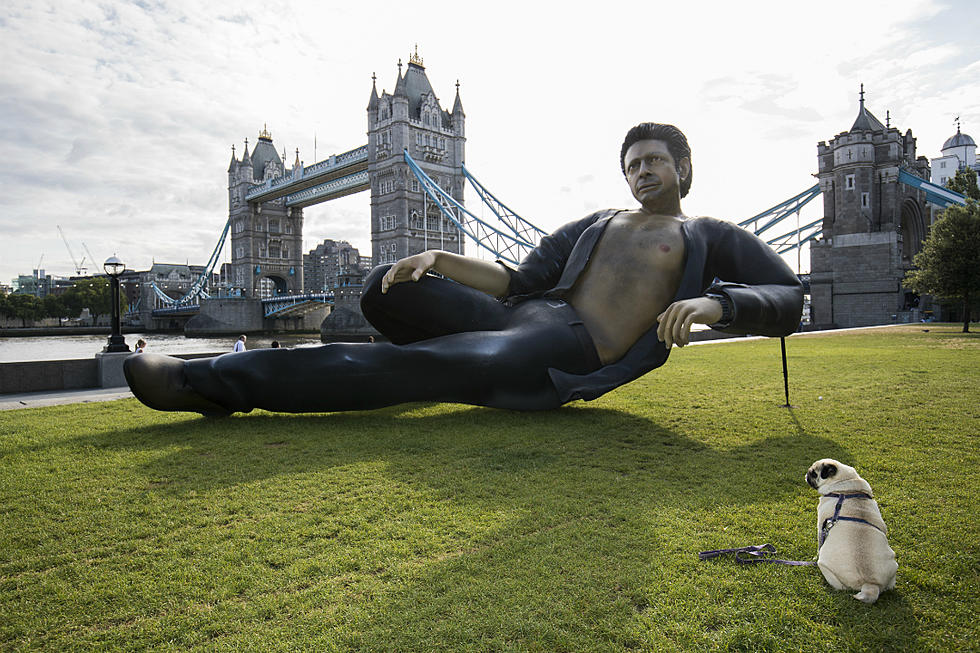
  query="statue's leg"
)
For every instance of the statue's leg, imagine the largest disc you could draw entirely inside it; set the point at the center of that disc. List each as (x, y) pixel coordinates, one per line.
(428, 308)
(506, 369)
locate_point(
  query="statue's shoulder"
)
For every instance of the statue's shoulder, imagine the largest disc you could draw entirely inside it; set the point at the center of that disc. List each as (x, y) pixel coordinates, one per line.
(708, 221)
(708, 225)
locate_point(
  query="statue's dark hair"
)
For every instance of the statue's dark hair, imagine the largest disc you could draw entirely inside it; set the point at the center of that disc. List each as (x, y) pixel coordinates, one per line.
(674, 138)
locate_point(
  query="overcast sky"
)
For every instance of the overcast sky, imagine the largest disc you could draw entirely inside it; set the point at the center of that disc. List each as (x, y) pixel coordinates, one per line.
(117, 119)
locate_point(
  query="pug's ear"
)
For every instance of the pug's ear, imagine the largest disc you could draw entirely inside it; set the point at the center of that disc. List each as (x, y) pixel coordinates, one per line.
(828, 471)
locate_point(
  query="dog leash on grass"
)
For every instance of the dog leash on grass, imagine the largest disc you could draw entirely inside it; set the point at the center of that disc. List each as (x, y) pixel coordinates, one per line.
(750, 555)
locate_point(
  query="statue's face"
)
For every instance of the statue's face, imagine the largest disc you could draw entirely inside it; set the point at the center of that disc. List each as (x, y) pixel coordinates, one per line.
(651, 171)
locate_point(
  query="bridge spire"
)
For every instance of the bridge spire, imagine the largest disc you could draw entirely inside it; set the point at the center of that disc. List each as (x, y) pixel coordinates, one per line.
(234, 161)
(415, 59)
(373, 101)
(400, 85)
(458, 104)
(865, 120)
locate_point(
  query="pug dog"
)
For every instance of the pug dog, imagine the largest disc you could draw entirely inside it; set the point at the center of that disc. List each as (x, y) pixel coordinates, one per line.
(853, 551)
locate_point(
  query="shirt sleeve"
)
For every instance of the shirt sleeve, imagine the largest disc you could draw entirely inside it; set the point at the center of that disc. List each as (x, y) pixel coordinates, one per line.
(765, 294)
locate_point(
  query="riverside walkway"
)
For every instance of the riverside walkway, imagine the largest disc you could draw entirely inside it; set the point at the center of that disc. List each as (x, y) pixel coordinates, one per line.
(59, 397)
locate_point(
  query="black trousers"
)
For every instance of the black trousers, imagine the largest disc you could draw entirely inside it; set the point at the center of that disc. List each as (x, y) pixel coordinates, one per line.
(449, 343)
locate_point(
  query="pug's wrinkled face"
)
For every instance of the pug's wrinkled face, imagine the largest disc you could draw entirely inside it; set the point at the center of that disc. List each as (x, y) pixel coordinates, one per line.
(824, 471)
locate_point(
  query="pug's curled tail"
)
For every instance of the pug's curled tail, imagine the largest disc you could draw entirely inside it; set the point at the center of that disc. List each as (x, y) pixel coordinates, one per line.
(869, 593)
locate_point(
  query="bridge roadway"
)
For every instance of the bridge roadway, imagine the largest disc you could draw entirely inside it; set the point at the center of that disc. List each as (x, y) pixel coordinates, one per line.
(280, 306)
(335, 176)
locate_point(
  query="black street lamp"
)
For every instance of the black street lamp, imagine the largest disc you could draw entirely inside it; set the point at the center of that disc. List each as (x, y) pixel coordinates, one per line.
(114, 267)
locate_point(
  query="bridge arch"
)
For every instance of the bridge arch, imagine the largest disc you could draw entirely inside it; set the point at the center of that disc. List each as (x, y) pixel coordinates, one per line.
(271, 285)
(913, 230)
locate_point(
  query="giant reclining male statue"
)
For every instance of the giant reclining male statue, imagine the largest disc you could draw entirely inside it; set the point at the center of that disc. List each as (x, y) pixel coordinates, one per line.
(597, 304)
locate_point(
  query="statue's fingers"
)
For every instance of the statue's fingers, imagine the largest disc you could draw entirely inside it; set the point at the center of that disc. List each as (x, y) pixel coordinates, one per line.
(685, 337)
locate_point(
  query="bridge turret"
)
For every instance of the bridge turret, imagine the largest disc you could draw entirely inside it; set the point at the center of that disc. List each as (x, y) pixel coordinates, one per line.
(402, 222)
(245, 165)
(872, 224)
(399, 101)
(458, 116)
(373, 100)
(265, 160)
(233, 166)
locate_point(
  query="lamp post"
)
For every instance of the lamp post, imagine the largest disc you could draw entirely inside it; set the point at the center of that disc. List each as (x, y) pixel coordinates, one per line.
(114, 267)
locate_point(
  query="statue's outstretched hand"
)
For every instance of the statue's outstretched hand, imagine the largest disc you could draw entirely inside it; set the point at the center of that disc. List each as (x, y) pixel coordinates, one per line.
(410, 268)
(676, 320)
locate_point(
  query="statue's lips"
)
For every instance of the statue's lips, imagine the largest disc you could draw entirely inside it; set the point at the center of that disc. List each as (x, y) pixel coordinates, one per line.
(648, 187)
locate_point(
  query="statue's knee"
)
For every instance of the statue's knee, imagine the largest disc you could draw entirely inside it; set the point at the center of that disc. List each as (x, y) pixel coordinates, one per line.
(371, 290)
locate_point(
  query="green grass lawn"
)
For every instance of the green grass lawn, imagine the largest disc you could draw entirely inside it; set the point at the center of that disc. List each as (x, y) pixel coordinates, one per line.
(434, 527)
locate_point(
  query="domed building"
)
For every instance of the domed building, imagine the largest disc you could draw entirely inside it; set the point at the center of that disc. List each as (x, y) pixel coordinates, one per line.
(959, 151)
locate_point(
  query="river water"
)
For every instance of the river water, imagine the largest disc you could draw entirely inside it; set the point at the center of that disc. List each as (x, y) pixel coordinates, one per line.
(47, 348)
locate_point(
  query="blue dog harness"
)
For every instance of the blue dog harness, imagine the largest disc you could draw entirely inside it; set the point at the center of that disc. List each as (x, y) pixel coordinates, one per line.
(831, 521)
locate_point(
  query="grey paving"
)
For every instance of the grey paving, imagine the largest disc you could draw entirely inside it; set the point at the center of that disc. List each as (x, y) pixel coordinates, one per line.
(58, 397)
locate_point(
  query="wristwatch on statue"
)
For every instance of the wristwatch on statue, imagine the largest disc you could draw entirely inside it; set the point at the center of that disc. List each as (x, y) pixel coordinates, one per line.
(727, 310)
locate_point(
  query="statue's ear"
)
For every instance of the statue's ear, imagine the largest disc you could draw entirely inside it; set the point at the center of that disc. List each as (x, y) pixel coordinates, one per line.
(828, 471)
(684, 168)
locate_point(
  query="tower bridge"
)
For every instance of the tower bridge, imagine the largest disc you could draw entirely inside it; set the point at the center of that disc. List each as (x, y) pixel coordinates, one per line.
(875, 215)
(266, 200)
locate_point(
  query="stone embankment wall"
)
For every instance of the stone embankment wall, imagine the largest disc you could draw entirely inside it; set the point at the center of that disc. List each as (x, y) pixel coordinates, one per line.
(40, 376)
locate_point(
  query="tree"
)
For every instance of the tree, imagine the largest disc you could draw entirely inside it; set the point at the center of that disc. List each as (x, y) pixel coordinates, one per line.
(24, 307)
(949, 264)
(93, 294)
(964, 182)
(53, 306)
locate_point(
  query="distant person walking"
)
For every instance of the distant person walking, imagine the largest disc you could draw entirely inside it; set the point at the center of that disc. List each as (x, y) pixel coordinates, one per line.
(240, 343)
(140, 346)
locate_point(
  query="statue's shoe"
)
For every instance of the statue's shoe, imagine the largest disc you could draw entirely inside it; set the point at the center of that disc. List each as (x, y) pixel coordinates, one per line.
(160, 383)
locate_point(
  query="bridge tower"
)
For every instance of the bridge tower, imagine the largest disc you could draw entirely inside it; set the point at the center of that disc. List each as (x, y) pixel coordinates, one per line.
(403, 220)
(266, 237)
(872, 226)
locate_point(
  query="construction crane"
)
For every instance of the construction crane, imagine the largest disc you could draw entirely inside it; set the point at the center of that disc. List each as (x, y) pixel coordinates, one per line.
(79, 267)
(94, 261)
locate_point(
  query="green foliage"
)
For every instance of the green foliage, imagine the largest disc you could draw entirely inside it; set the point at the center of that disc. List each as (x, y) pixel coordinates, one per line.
(93, 294)
(53, 306)
(23, 307)
(949, 264)
(964, 182)
(436, 527)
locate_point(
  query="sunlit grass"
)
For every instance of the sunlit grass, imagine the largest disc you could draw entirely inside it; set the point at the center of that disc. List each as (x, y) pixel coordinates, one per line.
(446, 527)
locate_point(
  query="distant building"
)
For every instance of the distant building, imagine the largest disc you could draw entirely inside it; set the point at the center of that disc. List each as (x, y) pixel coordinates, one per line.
(172, 279)
(37, 283)
(958, 152)
(325, 264)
